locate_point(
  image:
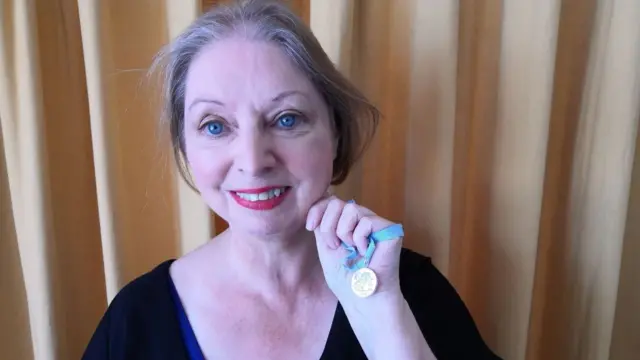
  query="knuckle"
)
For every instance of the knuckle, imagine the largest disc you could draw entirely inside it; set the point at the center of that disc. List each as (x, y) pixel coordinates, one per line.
(337, 202)
(351, 208)
(367, 221)
(342, 234)
(331, 205)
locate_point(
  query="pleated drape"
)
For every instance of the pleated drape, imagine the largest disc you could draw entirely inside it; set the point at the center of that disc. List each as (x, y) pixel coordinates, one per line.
(508, 149)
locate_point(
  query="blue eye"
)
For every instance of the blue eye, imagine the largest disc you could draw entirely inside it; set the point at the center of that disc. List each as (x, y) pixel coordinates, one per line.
(214, 128)
(287, 120)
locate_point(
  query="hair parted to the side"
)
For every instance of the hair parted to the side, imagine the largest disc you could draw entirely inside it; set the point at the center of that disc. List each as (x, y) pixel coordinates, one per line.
(354, 117)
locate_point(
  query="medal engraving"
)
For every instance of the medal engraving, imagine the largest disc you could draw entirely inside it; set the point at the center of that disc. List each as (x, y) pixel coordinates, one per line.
(364, 282)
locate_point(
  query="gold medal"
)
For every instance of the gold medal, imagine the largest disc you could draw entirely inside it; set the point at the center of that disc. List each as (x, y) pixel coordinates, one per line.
(364, 282)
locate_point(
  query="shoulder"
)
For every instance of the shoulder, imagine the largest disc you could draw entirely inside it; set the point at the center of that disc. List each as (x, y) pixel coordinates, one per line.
(411, 260)
(417, 273)
(141, 313)
(421, 280)
(423, 285)
(442, 315)
(143, 293)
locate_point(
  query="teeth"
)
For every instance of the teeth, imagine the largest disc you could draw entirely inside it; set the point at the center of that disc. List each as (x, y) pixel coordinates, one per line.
(262, 196)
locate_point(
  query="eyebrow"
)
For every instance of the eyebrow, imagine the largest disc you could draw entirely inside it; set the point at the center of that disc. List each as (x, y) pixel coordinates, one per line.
(209, 101)
(286, 94)
(278, 98)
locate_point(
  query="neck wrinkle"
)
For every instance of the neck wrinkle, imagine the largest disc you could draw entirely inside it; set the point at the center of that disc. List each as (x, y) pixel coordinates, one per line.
(275, 266)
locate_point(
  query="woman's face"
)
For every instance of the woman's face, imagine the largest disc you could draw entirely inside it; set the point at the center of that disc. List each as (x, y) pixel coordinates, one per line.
(258, 136)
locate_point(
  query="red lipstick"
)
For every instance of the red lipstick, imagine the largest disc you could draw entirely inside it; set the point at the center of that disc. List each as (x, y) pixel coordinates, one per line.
(264, 198)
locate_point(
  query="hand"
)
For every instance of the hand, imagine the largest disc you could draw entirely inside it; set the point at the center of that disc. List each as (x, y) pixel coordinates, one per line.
(386, 329)
(332, 221)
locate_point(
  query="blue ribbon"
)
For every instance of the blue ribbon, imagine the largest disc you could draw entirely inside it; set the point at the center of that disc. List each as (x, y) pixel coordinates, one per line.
(389, 233)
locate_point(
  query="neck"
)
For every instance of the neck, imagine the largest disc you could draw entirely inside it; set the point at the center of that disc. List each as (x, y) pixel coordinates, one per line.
(275, 266)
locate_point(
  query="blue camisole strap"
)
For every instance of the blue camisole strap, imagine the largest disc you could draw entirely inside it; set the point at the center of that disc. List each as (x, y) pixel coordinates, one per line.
(189, 337)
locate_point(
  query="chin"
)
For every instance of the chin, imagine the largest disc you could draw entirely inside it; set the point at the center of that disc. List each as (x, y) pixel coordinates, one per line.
(262, 227)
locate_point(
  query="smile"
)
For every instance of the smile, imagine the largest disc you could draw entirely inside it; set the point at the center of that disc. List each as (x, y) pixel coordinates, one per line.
(261, 199)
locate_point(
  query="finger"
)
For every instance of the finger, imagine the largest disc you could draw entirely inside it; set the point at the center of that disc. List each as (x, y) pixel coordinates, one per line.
(328, 225)
(361, 234)
(314, 216)
(347, 223)
(365, 211)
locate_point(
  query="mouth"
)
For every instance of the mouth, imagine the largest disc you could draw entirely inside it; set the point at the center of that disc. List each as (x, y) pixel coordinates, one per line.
(265, 198)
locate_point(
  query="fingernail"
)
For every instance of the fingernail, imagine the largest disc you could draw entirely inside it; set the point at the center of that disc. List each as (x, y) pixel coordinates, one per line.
(309, 224)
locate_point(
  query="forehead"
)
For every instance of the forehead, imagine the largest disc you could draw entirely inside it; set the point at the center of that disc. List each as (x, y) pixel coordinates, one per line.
(236, 69)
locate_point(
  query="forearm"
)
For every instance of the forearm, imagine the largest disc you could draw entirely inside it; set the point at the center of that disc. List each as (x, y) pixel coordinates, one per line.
(387, 329)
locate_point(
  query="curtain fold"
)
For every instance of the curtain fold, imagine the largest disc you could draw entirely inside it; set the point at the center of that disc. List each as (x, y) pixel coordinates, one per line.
(26, 170)
(195, 222)
(508, 148)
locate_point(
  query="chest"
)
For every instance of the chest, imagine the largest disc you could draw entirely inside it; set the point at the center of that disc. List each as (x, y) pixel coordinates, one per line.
(245, 329)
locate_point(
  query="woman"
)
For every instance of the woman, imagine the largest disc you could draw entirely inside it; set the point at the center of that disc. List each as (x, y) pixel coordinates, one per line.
(265, 124)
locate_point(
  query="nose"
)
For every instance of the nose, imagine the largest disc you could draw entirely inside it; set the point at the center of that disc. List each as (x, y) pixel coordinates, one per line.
(254, 153)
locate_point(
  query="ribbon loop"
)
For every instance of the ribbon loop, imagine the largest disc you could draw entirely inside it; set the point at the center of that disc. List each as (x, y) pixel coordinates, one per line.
(389, 233)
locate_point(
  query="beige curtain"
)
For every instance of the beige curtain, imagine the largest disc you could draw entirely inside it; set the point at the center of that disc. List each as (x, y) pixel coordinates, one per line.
(508, 149)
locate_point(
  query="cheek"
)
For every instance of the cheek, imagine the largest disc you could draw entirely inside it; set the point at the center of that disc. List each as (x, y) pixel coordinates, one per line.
(312, 162)
(205, 172)
(207, 176)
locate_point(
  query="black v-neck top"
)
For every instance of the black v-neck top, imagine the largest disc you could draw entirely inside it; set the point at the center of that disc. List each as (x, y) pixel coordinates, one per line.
(143, 321)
